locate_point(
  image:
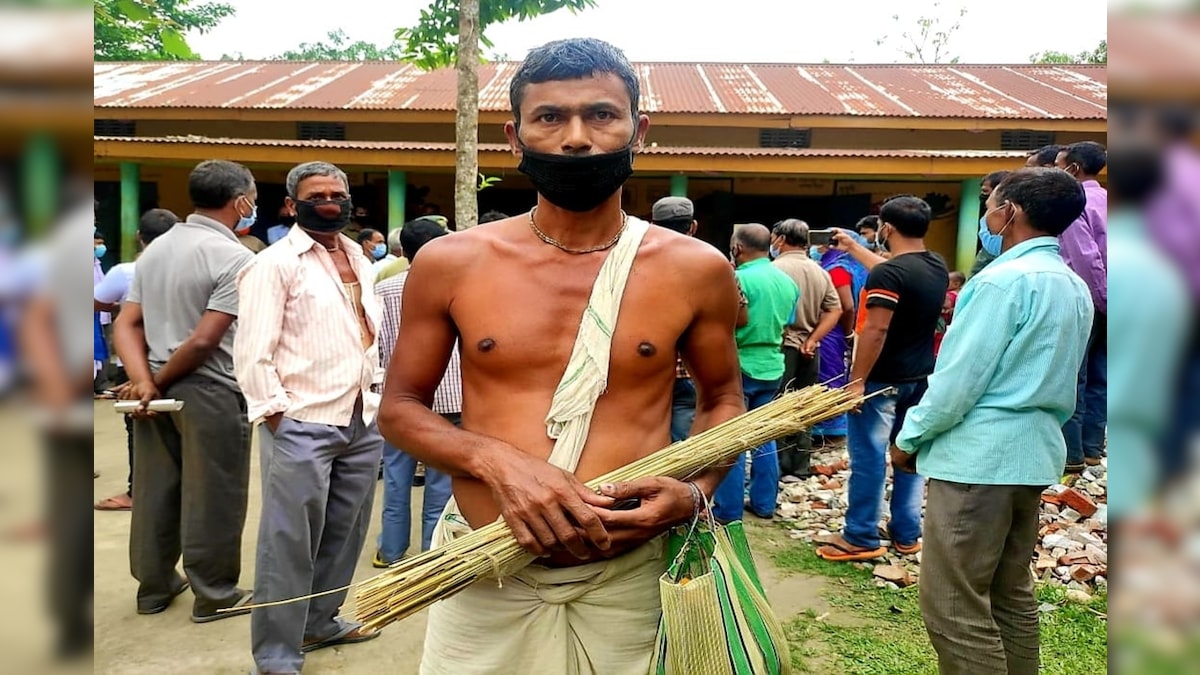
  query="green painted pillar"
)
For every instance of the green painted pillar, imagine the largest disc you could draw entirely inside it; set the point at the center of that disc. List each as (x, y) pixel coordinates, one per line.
(679, 185)
(968, 224)
(397, 193)
(130, 186)
(40, 166)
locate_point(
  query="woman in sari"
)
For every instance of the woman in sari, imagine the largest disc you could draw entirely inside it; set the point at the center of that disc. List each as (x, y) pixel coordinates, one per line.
(849, 277)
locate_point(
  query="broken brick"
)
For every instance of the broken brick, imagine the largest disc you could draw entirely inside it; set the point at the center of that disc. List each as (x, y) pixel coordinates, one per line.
(1084, 573)
(897, 575)
(1078, 501)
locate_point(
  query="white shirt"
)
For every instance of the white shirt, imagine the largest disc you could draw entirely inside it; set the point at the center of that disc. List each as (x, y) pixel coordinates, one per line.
(299, 349)
(115, 287)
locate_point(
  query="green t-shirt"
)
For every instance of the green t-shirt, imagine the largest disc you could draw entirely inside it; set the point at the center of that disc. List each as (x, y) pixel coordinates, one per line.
(772, 297)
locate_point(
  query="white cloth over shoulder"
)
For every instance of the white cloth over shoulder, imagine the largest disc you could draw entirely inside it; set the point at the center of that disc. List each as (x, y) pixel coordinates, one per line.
(595, 618)
(586, 375)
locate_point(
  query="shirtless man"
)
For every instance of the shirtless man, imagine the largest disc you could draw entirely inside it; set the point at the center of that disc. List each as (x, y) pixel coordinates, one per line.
(515, 291)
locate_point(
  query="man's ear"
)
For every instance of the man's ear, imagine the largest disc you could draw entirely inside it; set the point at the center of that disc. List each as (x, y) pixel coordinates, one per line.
(639, 138)
(290, 205)
(692, 229)
(514, 143)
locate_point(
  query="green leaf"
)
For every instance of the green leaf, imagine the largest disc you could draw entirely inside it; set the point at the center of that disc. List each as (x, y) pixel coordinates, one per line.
(134, 9)
(175, 45)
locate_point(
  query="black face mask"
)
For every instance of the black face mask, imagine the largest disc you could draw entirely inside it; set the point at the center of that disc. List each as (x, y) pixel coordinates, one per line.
(577, 182)
(309, 216)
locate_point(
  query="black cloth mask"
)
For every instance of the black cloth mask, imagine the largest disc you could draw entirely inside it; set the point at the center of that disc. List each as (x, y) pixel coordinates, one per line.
(317, 215)
(577, 182)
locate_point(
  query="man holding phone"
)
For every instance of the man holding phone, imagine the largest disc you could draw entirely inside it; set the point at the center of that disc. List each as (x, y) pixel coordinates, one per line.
(902, 303)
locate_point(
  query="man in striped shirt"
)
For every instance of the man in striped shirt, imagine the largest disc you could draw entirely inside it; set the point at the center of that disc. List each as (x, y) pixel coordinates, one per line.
(399, 467)
(307, 359)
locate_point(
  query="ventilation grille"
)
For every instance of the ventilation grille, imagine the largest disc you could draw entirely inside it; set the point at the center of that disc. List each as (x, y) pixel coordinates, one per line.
(784, 138)
(115, 128)
(320, 131)
(1022, 139)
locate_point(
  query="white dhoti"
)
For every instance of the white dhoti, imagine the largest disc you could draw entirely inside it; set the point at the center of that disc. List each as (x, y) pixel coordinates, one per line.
(600, 618)
(596, 618)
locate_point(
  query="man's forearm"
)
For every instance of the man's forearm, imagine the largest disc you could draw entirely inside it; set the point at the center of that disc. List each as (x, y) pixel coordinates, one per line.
(130, 344)
(866, 257)
(827, 322)
(183, 362)
(870, 344)
(431, 438)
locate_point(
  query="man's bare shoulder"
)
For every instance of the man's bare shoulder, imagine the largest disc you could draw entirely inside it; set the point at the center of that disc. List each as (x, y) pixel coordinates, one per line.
(689, 255)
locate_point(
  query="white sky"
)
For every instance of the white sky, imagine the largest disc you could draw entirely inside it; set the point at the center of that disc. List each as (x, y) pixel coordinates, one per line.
(993, 31)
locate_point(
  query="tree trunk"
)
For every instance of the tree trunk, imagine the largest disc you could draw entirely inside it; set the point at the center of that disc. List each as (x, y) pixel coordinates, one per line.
(466, 117)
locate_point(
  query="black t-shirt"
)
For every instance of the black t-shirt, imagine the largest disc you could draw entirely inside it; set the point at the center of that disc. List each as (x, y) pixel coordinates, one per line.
(913, 286)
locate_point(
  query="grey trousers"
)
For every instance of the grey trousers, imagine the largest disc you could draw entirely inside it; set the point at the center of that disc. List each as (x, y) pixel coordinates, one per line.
(191, 477)
(318, 488)
(977, 594)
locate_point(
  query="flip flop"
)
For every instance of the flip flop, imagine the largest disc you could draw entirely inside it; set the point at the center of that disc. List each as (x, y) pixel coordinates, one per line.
(350, 633)
(836, 550)
(237, 609)
(907, 549)
(113, 504)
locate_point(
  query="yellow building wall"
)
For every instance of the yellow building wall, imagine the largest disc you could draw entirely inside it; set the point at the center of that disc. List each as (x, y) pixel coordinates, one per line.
(943, 197)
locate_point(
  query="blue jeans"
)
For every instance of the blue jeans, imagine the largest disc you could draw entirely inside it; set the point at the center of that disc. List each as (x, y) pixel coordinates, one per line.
(764, 471)
(869, 433)
(399, 468)
(1084, 432)
(683, 409)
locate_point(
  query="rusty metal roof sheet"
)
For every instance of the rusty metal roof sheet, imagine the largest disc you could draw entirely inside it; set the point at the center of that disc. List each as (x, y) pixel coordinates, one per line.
(1013, 91)
(500, 147)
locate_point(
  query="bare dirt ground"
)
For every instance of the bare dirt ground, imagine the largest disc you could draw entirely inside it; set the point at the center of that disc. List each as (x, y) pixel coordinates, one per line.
(129, 644)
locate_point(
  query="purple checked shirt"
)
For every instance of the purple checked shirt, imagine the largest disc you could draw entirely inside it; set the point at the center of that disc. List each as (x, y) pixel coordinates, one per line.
(1084, 246)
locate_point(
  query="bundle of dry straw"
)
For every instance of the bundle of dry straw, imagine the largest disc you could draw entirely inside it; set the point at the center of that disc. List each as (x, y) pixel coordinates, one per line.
(491, 551)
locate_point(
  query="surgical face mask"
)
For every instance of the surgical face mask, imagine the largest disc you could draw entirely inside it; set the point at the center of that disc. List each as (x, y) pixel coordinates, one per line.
(992, 243)
(880, 240)
(577, 182)
(379, 251)
(774, 253)
(814, 252)
(100, 251)
(325, 215)
(246, 222)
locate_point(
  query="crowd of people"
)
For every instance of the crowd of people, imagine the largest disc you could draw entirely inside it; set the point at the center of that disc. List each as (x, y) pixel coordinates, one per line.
(519, 359)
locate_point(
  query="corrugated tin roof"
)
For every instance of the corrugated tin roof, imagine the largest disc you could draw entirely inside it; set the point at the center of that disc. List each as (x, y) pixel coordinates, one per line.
(1014, 91)
(500, 147)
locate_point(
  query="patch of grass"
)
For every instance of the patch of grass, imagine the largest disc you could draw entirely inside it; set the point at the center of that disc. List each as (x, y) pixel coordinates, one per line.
(880, 632)
(1074, 637)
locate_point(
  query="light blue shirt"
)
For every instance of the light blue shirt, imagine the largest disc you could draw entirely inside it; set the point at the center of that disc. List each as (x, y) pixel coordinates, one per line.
(1006, 376)
(1149, 317)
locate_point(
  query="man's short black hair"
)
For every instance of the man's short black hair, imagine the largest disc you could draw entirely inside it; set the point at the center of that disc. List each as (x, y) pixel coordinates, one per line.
(216, 182)
(1046, 154)
(491, 217)
(416, 233)
(1051, 198)
(366, 234)
(996, 177)
(908, 214)
(1136, 176)
(155, 223)
(1089, 155)
(866, 222)
(572, 59)
(680, 225)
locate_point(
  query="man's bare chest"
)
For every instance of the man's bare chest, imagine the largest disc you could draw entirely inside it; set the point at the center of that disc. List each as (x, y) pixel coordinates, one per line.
(529, 323)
